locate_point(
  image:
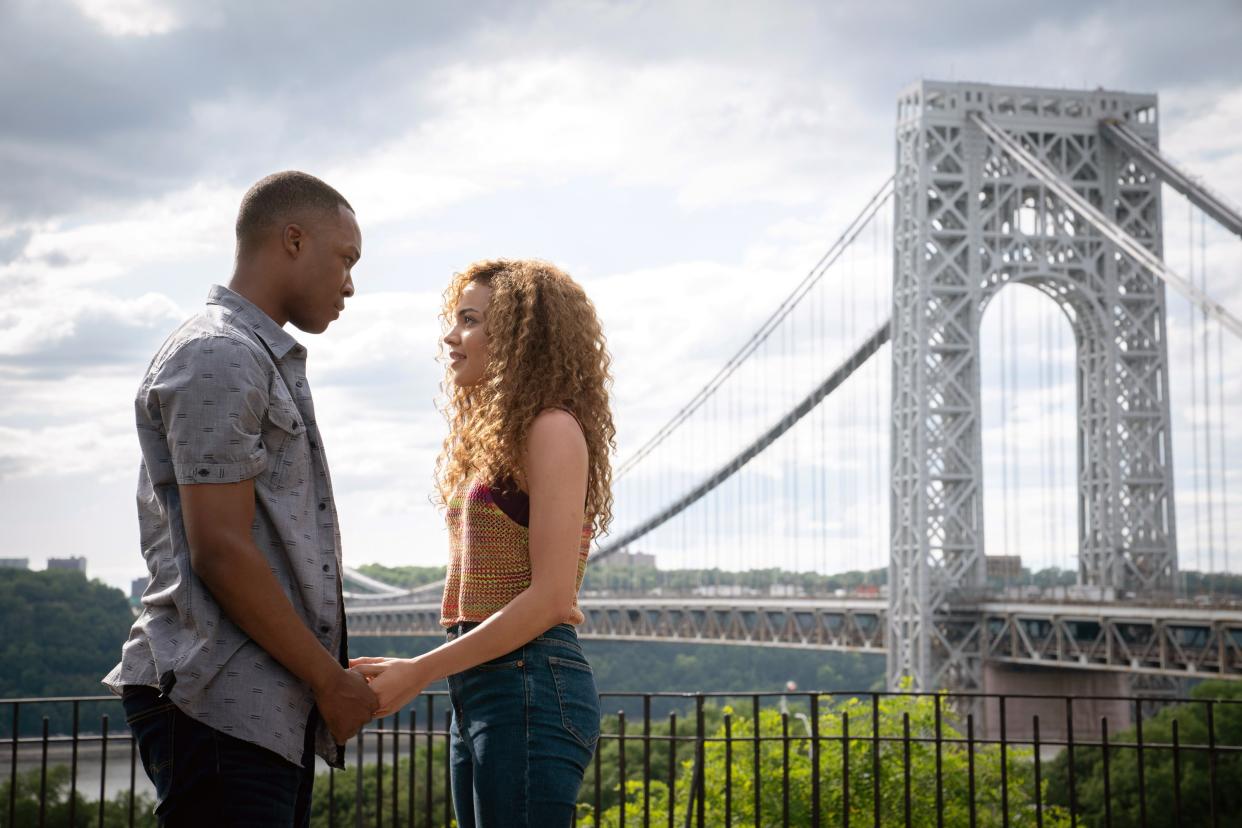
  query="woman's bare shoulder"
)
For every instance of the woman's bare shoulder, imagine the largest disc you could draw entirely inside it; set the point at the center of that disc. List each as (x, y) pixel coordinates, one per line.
(557, 424)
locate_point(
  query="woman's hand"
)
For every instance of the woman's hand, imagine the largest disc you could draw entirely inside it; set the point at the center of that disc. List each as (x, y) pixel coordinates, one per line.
(395, 681)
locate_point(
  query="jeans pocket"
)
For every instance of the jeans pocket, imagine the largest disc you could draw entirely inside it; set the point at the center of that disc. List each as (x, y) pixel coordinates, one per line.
(578, 698)
(139, 716)
(153, 724)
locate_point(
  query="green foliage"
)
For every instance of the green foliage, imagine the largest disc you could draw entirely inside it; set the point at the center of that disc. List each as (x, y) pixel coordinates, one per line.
(780, 760)
(62, 634)
(57, 800)
(626, 666)
(343, 788)
(1191, 718)
(621, 578)
(406, 577)
(1211, 583)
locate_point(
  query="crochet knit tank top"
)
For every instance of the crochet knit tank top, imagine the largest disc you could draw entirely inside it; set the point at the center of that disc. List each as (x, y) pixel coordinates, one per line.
(489, 557)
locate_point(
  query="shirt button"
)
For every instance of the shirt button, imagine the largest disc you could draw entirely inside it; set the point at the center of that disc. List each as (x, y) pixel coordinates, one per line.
(314, 444)
(203, 472)
(323, 628)
(299, 383)
(322, 506)
(326, 567)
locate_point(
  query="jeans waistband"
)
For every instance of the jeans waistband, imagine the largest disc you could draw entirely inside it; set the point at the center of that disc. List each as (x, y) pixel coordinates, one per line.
(460, 628)
(563, 632)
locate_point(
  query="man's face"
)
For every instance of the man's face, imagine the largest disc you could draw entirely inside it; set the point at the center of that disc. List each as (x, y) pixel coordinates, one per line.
(331, 246)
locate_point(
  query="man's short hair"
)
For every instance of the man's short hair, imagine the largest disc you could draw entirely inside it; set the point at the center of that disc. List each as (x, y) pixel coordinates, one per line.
(281, 198)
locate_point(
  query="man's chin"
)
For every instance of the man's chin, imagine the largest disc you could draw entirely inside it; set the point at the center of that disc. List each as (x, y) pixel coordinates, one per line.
(312, 326)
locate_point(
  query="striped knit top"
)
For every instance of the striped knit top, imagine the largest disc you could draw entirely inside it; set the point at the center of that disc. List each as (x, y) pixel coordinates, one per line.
(489, 557)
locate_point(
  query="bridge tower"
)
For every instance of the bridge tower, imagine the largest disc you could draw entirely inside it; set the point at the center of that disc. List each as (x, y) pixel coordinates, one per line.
(968, 222)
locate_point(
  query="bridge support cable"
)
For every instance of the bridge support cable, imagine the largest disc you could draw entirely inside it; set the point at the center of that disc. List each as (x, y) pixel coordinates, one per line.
(371, 583)
(878, 200)
(1196, 468)
(1118, 133)
(1207, 410)
(383, 591)
(864, 352)
(1220, 446)
(1107, 227)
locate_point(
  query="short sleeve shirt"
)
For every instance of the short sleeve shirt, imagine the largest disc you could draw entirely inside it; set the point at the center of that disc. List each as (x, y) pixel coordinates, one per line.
(224, 400)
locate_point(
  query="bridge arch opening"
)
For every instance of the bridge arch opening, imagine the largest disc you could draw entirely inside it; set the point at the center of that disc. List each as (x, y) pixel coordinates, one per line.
(1031, 443)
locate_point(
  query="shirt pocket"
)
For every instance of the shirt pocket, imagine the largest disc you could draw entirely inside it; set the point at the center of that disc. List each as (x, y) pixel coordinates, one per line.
(285, 436)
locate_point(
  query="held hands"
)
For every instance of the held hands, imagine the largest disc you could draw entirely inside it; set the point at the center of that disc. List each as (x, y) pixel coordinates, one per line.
(395, 681)
(346, 704)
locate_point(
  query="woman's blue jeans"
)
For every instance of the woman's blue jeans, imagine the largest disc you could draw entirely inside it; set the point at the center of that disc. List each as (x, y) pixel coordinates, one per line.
(523, 733)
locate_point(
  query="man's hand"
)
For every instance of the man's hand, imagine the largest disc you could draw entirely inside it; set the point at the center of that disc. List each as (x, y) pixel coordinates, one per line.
(346, 704)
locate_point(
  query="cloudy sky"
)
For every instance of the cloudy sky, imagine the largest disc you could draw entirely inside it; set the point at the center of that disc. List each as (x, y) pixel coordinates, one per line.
(688, 162)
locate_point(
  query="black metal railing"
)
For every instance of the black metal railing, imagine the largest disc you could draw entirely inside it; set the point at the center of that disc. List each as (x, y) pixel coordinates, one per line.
(794, 758)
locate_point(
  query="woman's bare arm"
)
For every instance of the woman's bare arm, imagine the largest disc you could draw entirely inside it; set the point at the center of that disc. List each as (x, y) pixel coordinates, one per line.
(555, 474)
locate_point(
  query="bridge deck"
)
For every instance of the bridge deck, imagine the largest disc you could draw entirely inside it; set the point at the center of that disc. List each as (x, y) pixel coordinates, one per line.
(1171, 639)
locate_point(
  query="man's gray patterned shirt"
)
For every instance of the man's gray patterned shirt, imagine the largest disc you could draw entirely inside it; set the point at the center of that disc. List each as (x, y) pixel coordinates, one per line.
(226, 399)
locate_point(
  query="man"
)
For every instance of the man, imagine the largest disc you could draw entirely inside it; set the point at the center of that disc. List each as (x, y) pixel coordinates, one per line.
(234, 675)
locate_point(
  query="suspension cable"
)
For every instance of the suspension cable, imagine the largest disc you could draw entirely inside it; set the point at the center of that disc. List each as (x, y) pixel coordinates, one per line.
(1220, 446)
(1207, 413)
(761, 335)
(1195, 467)
(851, 364)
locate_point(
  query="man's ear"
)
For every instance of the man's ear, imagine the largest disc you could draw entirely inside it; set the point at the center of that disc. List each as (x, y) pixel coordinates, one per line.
(292, 239)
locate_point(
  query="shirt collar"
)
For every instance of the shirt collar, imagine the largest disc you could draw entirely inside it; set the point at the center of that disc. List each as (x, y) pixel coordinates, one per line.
(277, 339)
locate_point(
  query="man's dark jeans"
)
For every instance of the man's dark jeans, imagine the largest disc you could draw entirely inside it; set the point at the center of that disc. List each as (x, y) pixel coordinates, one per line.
(205, 777)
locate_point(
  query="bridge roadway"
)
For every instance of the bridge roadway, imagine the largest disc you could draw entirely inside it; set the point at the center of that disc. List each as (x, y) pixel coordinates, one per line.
(1175, 639)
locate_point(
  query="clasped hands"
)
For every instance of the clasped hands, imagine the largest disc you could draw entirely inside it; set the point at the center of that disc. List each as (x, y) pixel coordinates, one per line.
(394, 681)
(372, 687)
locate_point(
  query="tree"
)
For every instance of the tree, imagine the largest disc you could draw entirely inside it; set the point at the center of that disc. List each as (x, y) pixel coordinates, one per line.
(790, 759)
(1158, 767)
(335, 800)
(62, 634)
(56, 803)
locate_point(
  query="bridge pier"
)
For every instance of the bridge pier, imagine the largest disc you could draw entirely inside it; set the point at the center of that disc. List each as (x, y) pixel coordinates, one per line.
(1084, 687)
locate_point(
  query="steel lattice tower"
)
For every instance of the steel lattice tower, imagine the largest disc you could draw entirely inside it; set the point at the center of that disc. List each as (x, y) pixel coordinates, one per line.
(968, 221)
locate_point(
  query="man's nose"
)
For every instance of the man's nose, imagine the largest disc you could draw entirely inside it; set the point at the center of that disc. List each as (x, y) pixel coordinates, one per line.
(348, 290)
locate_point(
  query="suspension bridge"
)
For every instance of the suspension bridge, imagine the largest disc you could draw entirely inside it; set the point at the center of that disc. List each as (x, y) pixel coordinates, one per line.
(1037, 298)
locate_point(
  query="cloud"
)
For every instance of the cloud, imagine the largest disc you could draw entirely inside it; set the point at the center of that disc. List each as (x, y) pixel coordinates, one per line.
(98, 448)
(687, 162)
(55, 334)
(122, 18)
(94, 121)
(13, 241)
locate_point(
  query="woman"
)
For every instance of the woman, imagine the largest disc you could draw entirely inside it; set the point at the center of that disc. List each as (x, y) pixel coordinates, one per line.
(524, 474)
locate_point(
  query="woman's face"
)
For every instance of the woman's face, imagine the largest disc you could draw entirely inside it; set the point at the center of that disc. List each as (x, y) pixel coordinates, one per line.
(467, 340)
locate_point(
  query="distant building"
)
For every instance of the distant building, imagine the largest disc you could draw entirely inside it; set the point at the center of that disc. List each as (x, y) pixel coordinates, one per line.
(725, 591)
(137, 587)
(632, 560)
(1004, 567)
(14, 563)
(77, 564)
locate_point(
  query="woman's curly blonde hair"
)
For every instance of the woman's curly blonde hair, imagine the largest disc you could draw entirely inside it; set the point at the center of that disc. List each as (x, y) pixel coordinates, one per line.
(546, 349)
